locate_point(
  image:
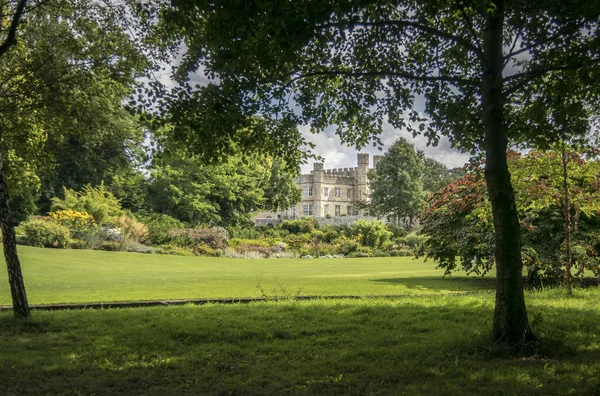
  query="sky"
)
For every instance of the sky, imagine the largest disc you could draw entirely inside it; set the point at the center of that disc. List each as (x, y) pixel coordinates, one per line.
(337, 155)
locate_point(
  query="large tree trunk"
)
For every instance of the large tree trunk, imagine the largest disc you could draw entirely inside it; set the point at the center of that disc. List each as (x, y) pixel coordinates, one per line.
(511, 325)
(9, 240)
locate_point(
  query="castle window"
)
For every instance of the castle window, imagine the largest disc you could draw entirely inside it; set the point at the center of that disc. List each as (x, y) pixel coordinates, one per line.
(293, 210)
(337, 192)
(337, 210)
(349, 210)
(325, 210)
(307, 210)
(310, 191)
(325, 191)
(349, 193)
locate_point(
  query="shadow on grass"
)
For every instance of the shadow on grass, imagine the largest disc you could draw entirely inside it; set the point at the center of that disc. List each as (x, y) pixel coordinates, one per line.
(408, 346)
(439, 284)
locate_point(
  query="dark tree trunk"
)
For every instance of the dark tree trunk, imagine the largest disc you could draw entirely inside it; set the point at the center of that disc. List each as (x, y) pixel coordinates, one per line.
(9, 240)
(511, 325)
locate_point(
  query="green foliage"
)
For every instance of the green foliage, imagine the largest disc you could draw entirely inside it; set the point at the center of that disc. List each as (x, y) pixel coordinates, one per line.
(80, 224)
(459, 219)
(41, 233)
(370, 233)
(236, 242)
(215, 238)
(160, 227)
(396, 183)
(224, 194)
(97, 201)
(436, 175)
(301, 226)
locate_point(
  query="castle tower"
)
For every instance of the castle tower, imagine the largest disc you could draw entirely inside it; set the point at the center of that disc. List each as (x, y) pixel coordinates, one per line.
(318, 189)
(376, 159)
(361, 193)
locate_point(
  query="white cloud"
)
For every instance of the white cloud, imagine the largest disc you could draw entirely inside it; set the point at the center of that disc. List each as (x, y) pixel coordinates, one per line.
(337, 155)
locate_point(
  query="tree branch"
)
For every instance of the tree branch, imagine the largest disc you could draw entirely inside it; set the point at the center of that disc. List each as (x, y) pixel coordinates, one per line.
(565, 30)
(403, 23)
(533, 74)
(383, 73)
(11, 36)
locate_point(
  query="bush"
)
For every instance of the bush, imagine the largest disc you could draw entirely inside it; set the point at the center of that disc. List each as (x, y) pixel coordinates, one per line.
(345, 245)
(296, 242)
(97, 201)
(80, 224)
(305, 225)
(160, 227)
(42, 233)
(131, 229)
(414, 241)
(370, 233)
(216, 238)
(174, 250)
(236, 242)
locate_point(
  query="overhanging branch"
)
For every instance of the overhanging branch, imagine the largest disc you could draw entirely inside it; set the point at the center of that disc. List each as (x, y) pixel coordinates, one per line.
(384, 73)
(11, 36)
(404, 23)
(529, 76)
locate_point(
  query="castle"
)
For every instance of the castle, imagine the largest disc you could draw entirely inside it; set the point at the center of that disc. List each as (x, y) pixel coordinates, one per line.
(329, 193)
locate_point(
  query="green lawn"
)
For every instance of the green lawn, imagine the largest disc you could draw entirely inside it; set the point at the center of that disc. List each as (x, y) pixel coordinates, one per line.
(429, 345)
(60, 276)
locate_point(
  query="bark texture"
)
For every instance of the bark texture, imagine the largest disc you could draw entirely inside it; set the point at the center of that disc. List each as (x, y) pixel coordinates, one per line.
(9, 240)
(511, 324)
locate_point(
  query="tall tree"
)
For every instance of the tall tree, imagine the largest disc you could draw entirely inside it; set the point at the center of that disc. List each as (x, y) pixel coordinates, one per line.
(396, 183)
(484, 69)
(13, 11)
(436, 175)
(74, 62)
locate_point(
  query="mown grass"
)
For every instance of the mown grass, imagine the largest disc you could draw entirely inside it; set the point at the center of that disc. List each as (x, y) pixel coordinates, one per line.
(413, 345)
(73, 276)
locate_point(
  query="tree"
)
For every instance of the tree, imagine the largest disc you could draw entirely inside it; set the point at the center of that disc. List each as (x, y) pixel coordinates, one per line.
(459, 218)
(225, 194)
(436, 175)
(74, 63)
(396, 183)
(9, 241)
(484, 68)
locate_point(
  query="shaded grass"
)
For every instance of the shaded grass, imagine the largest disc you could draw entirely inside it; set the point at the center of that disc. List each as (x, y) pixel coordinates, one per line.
(415, 345)
(77, 276)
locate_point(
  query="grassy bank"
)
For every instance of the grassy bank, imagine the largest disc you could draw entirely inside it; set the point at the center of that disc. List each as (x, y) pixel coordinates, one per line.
(414, 345)
(59, 275)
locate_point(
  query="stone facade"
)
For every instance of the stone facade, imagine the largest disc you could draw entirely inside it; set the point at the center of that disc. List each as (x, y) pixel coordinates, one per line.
(329, 193)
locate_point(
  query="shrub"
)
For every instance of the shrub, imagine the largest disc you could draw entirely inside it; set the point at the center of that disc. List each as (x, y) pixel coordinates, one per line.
(80, 224)
(370, 233)
(174, 250)
(97, 201)
(301, 226)
(131, 229)
(246, 233)
(111, 246)
(160, 227)
(216, 237)
(345, 245)
(414, 241)
(42, 233)
(236, 242)
(297, 241)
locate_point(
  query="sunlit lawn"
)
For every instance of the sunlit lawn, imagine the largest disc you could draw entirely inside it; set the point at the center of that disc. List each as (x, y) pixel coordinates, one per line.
(59, 276)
